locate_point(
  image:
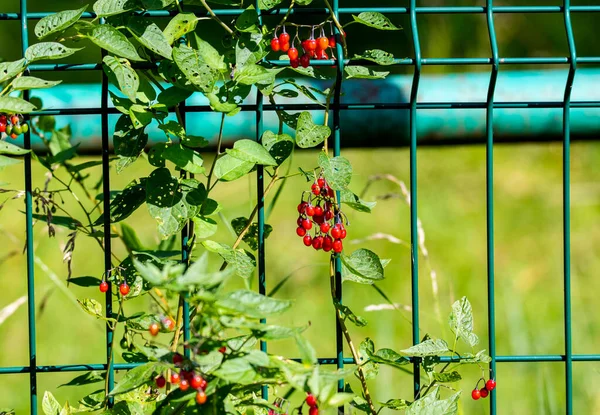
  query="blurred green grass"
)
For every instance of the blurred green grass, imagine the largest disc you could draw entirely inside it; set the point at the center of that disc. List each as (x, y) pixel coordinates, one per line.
(451, 203)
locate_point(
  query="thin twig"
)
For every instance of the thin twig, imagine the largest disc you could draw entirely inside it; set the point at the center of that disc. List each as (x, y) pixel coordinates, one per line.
(216, 18)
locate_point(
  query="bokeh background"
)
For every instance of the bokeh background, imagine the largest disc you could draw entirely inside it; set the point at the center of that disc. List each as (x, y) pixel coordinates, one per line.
(451, 200)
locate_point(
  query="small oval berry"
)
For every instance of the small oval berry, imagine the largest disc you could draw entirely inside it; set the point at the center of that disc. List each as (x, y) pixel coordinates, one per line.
(322, 55)
(304, 44)
(294, 63)
(13, 136)
(300, 231)
(311, 44)
(484, 393)
(307, 240)
(317, 242)
(336, 232)
(154, 329)
(184, 385)
(305, 60)
(310, 210)
(337, 246)
(476, 394)
(187, 375)
(285, 47)
(103, 287)
(321, 182)
(177, 359)
(311, 400)
(490, 385)
(14, 119)
(175, 378)
(331, 41)
(313, 411)
(343, 235)
(2, 127)
(302, 206)
(329, 215)
(299, 221)
(169, 323)
(318, 211)
(275, 44)
(203, 384)
(284, 38)
(315, 189)
(25, 128)
(2, 119)
(319, 219)
(327, 243)
(322, 43)
(124, 289)
(222, 349)
(196, 381)
(9, 129)
(292, 53)
(306, 224)
(160, 381)
(17, 129)
(325, 227)
(201, 398)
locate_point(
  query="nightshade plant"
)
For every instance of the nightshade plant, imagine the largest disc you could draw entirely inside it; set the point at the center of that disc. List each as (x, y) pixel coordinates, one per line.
(219, 369)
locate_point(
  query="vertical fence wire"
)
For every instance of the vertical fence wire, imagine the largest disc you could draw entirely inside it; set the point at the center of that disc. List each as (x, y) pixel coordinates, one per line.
(29, 238)
(567, 207)
(414, 237)
(489, 190)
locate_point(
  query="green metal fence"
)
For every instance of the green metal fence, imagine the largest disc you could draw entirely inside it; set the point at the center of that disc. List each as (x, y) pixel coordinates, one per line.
(417, 61)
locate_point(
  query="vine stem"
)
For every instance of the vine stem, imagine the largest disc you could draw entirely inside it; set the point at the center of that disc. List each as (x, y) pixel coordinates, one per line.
(112, 345)
(326, 117)
(290, 8)
(359, 369)
(216, 18)
(219, 142)
(339, 27)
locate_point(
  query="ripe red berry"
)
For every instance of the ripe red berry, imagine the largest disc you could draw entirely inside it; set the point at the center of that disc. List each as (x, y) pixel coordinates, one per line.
(304, 44)
(306, 224)
(476, 394)
(169, 324)
(319, 219)
(328, 215)
(2, 127)
(317, 242)
(175, 378)
(307, 240)
(292, 53)
(201, 398)
(305, 60)
(321, 182)
(186, 375)
(13, 136)
(197, 382)
(318, 211)
(311, 44)
(313, 411)
(275, 44)
(331, 41)
(160, 381)
(177, 359)
(184, 385)
(14, 120)
(315, 189)
(310, 210)
(285, 46)
(322, 55)
(322, 43)
(343, 233)
(336, 232)
(311, 400)
(484, 393)
(337, 246)
(325, 227)
(302, 206)
(124, 289)
(294, 63)
(330, 194)
(299, 221)
(327, 243)
(490, 385)
(2, 119)
(103, 287)
(284, 38)
(300, 231)
(222, 349)
(154, 329)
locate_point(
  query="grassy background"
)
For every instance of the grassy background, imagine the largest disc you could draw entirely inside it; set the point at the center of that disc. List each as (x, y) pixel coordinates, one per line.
(452, 208)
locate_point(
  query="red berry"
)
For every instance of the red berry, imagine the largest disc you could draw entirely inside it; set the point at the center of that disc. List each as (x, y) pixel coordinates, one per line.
(329, 215)
(310, 210)
(476, 394)
(484, 393)
(311, 44)
(337, 246)
(490, 385)
(299, 221)
(302, 206)
(14, 120)
(322, 55)
(322, 43)
(203, 384)
(319, 219)
(306, 224)
(124, 289)
(315, 189)
(13, 136)
(292, 53)
(184, 385)
(284, 38)
(103, 285)
(275, 44)
(300, 231)
(175, 377)
(327, 243)
(196, 381)
(294, 63)
(222, 349)
(177, 359)
(330, 194)
(201, 398)
(169, 324)
(343, 235)
(285, 47)
(2, 127)
(154, 329)
(186, 375)
(321, 182)
(307, 240)
(331, 41)
(311, 400)
(336, 232)
(305, 60)
(2, 119)
(160, 381)
(313, 411)
(304, 44)
(318, 211)
(325, 227)
(317, 242)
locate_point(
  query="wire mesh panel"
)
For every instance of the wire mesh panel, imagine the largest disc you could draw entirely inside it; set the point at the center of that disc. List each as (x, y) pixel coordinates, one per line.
(418, 62)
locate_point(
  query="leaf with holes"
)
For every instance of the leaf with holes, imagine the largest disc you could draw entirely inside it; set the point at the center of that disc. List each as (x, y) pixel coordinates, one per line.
(353, 201)
(279, 146)
(240, 260)
(149, 34)
(125, 203)
(10, 69)
(337, 171)
(376, 20)
(309, 134)
(128, 140)
(92, 307)
(362, 72)
(461, 321)
(184, 158)
(431, 404)
(210, 55)
(106, 8)
(123, 75)
(268, 4)
(251, 236)
(31, 82)
(248, 21)
(447, 377)
(198, 72)
(429, 347)
(14, 105)
(362, 266)
(48, 50)
(251, 151)
(396, 404)
(109, 38)
(378, 56)
(179, 26)
(229, 168)
(57, 22)
(252, 74)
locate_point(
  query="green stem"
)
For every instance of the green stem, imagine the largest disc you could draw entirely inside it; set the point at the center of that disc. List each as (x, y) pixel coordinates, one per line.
(219, 142)
(216, 18)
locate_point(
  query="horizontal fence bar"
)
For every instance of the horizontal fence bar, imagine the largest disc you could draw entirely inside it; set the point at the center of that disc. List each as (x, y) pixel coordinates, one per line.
(343, 10)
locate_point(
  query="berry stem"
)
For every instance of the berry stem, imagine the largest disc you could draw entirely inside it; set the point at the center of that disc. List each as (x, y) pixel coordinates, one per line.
(338, 25)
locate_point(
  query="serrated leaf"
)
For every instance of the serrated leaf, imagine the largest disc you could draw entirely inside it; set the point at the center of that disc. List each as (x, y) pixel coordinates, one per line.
(229, 168)
(14, 105)
(378, 56)
(337, 171)
(179, 26)
(184, 158)
(376, 20)
(430, 347)
(198, 72)
(48, 50)
(149, 34)
(362, 266)
(135, 378)
(57, 22)
(125, 76)
(109, 38)
(251, 151)
(106, 8)
(10, 69)
(309, 134)
(362, 72)
(31, 82)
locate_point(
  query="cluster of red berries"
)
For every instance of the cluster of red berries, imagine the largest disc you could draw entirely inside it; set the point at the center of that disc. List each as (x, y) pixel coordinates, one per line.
(167, 323)
(185, 379)
(123, 288)
(320, 210)
(490, 385)
(311, 401)
(13, 125)
(312, 48)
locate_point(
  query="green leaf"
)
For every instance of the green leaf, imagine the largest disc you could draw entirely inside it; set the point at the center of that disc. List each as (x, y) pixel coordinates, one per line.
(173, 96)
(251, 151)
(179, 26)
(109, 38)
(184, 158)
(198, 276)
(447, 377)
(194, 141)
(156, 4)
(362, 266)
(130, 238)
(353, 201)
(362, 72)
(229, 168)
(85, 379)
(248, 21)
(135, 378)
(307, 352)
(251, 236)
(389, 357)
(239, 259)
(149, 34)
(31, 82)
(210, 55)
(48, 50)
(16, 105)
(140, 117)
(309, 134)
(128, 140)
(238, 371)
(396, 404)
(50, 405)
(311, 72)
(92, 307)
(252, 304)
(461, 321)
(376, 20)
(10, 69)
(85, 281)
(57, 22)
(106, 8)
(251, 74)
(8, 161)
(430, 347)
(125, 203)
(349, 314)
(195, 69)
(279, 146)
(268, 4)
(378, 56)
(217, 105)
(337, 171)
(123, 74)
(8, 148)
(430, 404)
